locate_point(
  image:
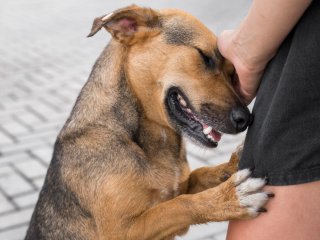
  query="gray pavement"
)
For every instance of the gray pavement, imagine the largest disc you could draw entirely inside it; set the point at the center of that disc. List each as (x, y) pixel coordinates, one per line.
(45, 59)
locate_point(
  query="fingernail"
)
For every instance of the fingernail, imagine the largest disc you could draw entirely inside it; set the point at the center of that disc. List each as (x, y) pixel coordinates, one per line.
(262, 210)
(252, 168)
(270, 195)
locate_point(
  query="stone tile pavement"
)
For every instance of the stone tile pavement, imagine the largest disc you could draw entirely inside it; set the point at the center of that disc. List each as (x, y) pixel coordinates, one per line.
(45, 59)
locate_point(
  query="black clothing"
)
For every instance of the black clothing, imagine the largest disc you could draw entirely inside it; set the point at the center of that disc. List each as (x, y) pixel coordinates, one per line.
(283, 143)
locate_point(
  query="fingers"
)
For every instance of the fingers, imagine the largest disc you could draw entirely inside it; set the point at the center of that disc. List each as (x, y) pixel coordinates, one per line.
(224, 42)
(245, 96)
(249, 70)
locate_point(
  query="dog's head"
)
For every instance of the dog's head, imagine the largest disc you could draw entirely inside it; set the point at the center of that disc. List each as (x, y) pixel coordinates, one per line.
(176, 72)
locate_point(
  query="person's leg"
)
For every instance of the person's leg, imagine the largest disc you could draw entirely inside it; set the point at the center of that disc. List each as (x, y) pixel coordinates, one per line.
(293, 214)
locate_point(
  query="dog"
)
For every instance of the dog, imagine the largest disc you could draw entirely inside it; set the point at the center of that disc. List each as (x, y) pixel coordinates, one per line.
(119, 167)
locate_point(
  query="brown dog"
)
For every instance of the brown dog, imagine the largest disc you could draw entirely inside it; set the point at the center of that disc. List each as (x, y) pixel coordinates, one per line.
(119, 169)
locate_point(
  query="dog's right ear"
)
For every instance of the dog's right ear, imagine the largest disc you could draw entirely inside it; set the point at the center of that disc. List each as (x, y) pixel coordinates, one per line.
(128, 25)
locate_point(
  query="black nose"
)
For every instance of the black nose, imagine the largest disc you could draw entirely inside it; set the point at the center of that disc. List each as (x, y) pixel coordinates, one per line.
(240, 118)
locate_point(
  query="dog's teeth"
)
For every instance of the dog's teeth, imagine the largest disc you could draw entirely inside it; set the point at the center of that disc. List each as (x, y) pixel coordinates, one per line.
(210, 138)
(189, 110)
(183, 102)
(207, 130)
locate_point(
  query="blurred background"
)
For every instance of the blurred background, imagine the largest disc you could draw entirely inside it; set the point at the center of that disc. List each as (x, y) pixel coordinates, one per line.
(45, 59)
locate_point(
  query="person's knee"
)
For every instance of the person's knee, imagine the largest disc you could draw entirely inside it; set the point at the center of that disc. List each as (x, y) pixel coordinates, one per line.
(293, 214)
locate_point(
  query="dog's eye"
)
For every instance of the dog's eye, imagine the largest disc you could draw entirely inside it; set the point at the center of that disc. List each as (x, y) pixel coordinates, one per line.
(207, 60)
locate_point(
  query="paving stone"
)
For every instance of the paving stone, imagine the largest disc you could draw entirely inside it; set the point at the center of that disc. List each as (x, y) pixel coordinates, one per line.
(195, 162)
(42, 109)
(27, 200)
(61, 116)
(37, 135)
(215, 161)
(234, 138)
(15, 158)
(28, 118)
(203, 231)
(22, 146)
(229, 148)
(50, 140)
(15, 128)
(49, 125)
(31, 169)
(14, 234)
(5, 205)
(16, 218)
(200, 152)
(12, 183)
(38, 182)
(44, 153)
(4, 139)
(221, 236)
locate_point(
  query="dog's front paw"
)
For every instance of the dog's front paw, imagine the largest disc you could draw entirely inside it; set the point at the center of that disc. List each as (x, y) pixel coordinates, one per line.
(240, 197)
(249, 192)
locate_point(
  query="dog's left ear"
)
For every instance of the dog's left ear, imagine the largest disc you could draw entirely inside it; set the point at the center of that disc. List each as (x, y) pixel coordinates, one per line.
(127, 25)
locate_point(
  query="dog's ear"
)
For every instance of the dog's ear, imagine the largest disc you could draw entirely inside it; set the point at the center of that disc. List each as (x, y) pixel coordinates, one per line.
(127, 25)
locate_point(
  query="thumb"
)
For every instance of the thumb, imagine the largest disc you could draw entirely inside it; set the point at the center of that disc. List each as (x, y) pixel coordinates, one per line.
(246, 96)
(224, 41)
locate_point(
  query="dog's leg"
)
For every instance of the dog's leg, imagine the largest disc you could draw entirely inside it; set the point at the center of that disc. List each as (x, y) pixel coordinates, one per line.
(240, 197)
(209, 177)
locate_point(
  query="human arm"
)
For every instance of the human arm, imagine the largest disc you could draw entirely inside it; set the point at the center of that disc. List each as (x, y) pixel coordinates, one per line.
(257, 39)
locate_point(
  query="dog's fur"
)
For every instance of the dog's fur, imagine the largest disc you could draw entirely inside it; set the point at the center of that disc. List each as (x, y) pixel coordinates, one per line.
(119, 168)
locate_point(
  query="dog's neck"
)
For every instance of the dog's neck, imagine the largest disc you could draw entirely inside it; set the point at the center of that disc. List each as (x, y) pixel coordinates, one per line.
(107, 101)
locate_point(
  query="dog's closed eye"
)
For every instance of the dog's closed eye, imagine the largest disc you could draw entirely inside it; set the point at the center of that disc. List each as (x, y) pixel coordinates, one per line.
(209, 61)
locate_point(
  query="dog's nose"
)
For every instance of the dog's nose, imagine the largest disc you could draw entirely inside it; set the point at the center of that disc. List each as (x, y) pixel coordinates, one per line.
(240, 118)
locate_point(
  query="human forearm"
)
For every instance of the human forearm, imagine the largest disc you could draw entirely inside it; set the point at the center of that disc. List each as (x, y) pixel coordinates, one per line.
(257, 39)
(266, 26)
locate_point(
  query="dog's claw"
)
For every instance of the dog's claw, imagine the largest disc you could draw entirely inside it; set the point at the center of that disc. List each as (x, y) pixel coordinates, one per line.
(262, 210)
(226, 176)
(270, 195)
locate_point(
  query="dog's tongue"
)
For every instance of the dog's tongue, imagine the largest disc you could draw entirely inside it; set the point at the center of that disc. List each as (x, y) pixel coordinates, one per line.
(216, 135)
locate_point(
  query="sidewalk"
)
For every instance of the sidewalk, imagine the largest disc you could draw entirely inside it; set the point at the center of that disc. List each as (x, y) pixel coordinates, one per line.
(45, 59)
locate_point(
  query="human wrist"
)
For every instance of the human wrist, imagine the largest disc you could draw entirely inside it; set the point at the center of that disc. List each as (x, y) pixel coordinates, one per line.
(248, 50)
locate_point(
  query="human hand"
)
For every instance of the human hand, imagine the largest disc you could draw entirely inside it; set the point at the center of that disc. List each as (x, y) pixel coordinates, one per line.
(249, 67)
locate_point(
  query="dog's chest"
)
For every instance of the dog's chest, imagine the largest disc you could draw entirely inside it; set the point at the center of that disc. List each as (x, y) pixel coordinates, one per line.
(169, 190)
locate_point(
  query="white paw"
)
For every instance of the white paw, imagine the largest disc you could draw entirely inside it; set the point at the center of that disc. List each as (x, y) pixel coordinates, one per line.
(249, 192)
(241, 176)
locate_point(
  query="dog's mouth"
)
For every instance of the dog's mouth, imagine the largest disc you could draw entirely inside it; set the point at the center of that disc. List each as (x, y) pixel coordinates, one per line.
(189, 123)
